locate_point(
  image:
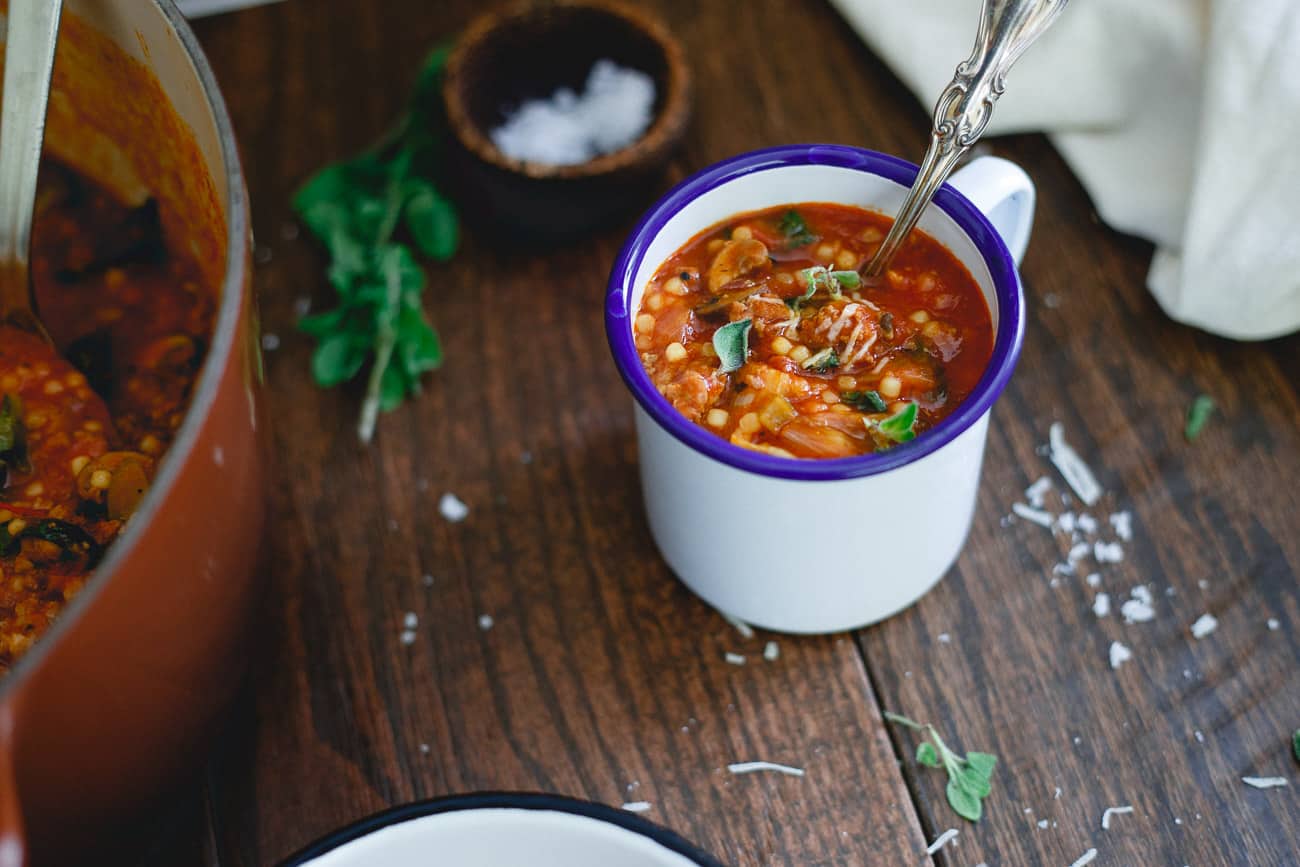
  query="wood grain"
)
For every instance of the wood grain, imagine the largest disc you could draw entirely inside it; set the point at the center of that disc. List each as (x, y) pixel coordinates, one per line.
(601, 676)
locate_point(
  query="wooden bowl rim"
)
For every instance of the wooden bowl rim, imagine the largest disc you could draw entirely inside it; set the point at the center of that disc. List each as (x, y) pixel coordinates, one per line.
(667, 126)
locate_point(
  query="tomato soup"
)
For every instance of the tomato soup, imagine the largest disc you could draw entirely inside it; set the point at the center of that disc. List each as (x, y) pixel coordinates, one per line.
(761, 330)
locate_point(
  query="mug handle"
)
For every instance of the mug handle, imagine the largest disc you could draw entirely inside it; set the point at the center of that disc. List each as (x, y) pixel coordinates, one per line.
(1005, 194)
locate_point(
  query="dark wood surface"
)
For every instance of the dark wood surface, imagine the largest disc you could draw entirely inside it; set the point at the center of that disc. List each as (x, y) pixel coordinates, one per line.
(602, 677)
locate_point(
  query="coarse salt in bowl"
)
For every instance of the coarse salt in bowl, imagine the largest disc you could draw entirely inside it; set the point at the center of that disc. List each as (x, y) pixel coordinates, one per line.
(813, 546)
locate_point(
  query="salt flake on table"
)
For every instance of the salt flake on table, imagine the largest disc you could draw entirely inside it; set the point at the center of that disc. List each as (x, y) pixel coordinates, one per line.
(1037, 516)
(453, 508)
(1119, 654)
(1101, 605)
(1204, 625)
(613, 111)
(1265, 782)
(1113, 811)
(1071, 466)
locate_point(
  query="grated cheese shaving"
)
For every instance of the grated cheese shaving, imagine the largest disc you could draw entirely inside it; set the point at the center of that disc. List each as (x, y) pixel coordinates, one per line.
(745, 630)
(1137, 611)
(1037, 491)
(754, 767)
(1037, 516)
(942, 840)
(1101, 605)
(1204, 625)
(1071, 466)
(1113, 811)
(637, 806)
(1085, 858)
(1119, 654)
(772, 652)
(1265, 782)
(734, 658)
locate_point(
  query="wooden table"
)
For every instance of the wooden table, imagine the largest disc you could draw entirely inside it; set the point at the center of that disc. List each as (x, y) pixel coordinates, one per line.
(604, 678)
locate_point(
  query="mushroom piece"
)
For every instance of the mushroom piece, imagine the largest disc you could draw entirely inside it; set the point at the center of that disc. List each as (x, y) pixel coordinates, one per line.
(117, 480)
(736, 259)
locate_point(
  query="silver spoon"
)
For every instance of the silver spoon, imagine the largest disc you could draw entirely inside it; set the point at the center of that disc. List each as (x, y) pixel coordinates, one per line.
(1006, 29)
(29, 60)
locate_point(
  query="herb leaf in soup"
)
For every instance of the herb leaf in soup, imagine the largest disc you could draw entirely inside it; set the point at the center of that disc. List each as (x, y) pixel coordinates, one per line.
(900, 427)
(13, 437)
(847, 279)
(864, 401)
(731, 342)
(822, 361)
(796, 231)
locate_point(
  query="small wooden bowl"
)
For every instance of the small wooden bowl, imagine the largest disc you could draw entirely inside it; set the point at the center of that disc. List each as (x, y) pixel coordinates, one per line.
(527, 51)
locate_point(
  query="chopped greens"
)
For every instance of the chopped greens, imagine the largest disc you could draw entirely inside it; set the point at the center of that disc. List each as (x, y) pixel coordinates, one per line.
(900, 427)
(796, 231)
(817, 277)
(969, 777)
(821, 361)
(731, 342)
(864, 401)
(1198, 415)
(13, 437)
(355, 208)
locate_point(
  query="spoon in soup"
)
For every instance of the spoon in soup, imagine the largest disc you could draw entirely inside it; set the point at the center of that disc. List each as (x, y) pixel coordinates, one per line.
(1006, 29)
(33, 30)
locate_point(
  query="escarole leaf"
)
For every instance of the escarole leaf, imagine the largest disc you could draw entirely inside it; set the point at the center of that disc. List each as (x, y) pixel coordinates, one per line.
(900, 427)
(796, 231)
(731, 342)
(864, 401)
(13, 436)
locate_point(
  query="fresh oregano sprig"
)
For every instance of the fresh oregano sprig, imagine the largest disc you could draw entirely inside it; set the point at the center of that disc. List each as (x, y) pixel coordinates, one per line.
(969, 777)
(357, 208)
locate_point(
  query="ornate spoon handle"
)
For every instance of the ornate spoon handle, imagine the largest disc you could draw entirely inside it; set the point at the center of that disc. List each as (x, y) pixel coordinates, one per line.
(1006, 29)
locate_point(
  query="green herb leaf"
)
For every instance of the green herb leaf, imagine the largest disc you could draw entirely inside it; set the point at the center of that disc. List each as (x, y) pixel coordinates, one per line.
(1198, 415)
(731, 342)
(822, 361)
(796, 231)
(355, 208)
(864, 401)
(964, 803)
(926, 755)
(13, 436)
(899, 427)
(969, 778)
(903, 721)
(974, 781)
(983, 763)
(847, 279)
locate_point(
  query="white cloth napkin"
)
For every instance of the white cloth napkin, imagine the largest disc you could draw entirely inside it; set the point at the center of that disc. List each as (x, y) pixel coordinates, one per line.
(1180, 117)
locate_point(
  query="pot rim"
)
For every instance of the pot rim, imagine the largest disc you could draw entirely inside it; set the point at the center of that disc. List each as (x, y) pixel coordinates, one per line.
(223, 342)
(536, 801)
(1007, 291)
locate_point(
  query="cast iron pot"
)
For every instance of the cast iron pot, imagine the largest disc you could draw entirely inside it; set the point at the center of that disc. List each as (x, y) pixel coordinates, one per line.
(119, 700)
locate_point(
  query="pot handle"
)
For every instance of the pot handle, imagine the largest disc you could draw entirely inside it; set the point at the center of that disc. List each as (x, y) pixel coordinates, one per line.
(1005, 194)
(13, 838)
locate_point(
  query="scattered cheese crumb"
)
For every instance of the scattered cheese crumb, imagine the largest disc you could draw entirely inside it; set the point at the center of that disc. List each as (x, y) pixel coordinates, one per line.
(1071, 466)
(1123, 524)
(270, 342)
(1113, 811)
(485, 622)
(1142, 593)
(1087, 523)
(1274, 624)
(942, 840)
(424, 748)
(1203, 584)
(734, 658)
(772, 652)
(1265, 782)
(1137, 611)
(1094, 579)
(408, 637)
(1035, 492)
(1204, 625)
(1085, 858)
(1119, 654)
(1107, 552)
(1078, 552)
(410, 621)
(1065, 522)
(637, 806)
(945, 638)
(745, 630)
(301, 306)
(753, 767)
(1037, 516)
(1056, 796)
(1043, 823)
(427, 580)
(453, 508)
(1101, 605)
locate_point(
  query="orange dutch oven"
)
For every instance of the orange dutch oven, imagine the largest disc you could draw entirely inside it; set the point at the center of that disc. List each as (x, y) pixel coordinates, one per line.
(119, 700)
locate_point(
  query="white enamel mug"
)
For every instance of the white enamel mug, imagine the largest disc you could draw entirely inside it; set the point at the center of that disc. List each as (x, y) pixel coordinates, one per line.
(812, 546)
(503, 830)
